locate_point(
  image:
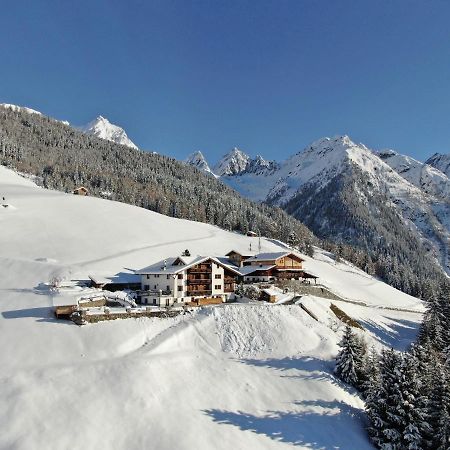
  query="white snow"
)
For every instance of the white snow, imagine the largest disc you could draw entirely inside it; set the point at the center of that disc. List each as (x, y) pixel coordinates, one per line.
(232, 163)
(104, 129)
(234, 376)
(197, 159)
(17, 108)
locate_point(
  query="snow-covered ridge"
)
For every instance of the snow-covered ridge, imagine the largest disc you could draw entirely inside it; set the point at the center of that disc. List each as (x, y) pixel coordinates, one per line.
(232, 163)
(104, 129)
(17, 108)
(422, 175)
(418, 191)
(197, 159)
(440, 162)
(99, 127)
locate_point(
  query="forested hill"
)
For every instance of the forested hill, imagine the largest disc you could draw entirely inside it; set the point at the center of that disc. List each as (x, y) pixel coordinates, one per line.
(63, 158)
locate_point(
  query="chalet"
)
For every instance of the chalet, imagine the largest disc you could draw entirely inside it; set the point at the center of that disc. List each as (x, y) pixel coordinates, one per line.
(238, 258)
(265, 267)
(81, 191)
(187, 279)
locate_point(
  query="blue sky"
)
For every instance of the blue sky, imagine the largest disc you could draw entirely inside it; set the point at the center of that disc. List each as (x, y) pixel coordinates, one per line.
(266, 76)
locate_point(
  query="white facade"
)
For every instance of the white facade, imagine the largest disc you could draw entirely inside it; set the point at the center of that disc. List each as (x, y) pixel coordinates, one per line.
(168, 284)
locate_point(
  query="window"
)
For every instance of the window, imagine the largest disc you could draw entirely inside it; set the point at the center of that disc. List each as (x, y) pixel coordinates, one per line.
(217, 286)
(156, 276)
(218, 276)
(168, 277)
(180, 276)
(167, 288)
(154, 301)
(148, 276)
(146, 287)
(180, 288)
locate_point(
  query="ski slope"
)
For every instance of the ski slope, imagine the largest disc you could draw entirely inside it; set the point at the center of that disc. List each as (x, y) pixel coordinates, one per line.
(239, 375)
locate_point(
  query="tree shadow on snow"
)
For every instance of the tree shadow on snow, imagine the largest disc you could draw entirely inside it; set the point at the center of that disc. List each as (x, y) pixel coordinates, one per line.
(321, 425)
(306, 368)
(42, 314)
(398, 334)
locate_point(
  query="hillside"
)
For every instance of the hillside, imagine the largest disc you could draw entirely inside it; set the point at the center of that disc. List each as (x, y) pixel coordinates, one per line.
(244, 376)
(63, 158)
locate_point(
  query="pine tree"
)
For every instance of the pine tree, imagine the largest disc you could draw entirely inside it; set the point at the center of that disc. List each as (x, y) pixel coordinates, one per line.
(385, 427)
(439, 408)
(348, 360)
(371, 374)
(413, 406)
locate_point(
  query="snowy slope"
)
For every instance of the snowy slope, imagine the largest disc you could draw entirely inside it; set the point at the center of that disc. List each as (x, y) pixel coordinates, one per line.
(422, 175)
(104, 129)
(242, 376)
(440, 162)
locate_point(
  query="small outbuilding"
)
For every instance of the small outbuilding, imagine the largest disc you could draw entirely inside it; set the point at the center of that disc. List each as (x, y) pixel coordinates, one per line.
(270, 295)
(81, 190)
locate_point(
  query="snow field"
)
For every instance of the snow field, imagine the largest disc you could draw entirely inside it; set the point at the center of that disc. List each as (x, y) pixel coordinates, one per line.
(242, 376)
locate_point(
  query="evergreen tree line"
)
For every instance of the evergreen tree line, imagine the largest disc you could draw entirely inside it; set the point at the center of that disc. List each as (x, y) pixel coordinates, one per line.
(63, 158)
(407, 394)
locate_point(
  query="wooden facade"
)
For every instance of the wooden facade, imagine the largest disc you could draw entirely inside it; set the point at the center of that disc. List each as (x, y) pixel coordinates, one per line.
(238, 258)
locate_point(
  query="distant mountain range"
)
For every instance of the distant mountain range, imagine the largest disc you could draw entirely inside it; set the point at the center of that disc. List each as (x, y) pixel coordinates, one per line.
(395, 209)
(346, 191)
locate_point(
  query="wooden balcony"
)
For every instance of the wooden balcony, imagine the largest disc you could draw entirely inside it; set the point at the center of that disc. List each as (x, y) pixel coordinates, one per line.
(289, 275)
(199, 281)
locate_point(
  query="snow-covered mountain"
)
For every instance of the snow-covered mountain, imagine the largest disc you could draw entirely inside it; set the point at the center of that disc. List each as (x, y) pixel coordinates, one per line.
(104, 129)
(414, 194)
(232, 163)
(25, 109)
(197, 159)
(237, 162)
(20, 108)
(422, 175)
(440, 162)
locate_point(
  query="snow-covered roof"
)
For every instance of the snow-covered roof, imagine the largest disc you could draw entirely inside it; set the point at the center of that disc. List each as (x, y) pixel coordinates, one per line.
(246, 270)
(121, 277)
(243, 253)
(167, 266)
(270, 256)
(272, 291)
(226, 262)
